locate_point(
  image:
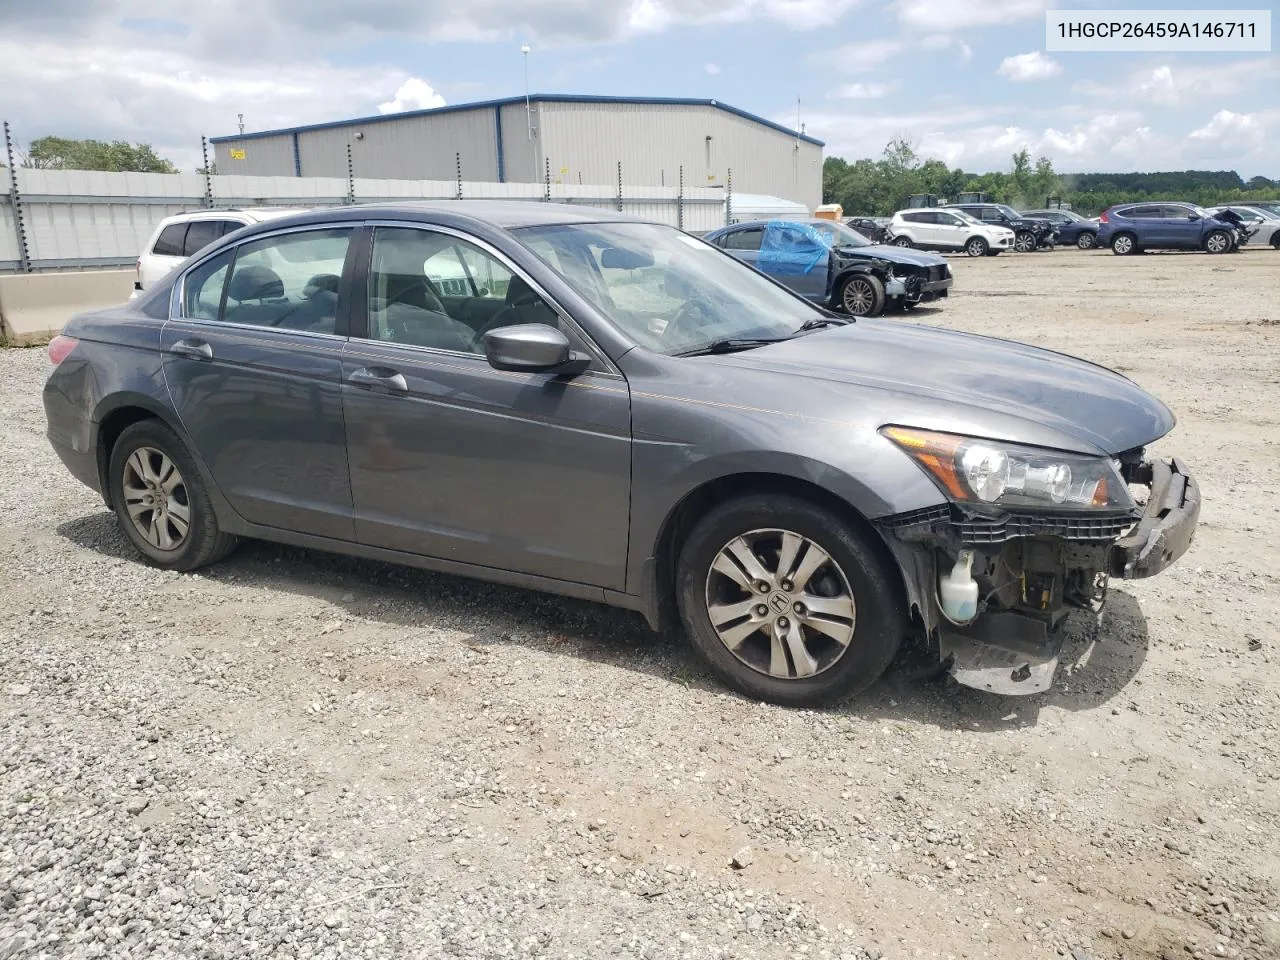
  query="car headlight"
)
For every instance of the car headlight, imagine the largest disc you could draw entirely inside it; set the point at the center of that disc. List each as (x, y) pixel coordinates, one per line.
(977, 471)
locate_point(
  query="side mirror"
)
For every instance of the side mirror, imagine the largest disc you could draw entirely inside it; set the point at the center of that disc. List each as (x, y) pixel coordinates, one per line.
(532, 348)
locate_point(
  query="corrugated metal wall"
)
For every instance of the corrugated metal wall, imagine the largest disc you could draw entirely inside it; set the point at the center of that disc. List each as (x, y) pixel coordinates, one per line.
(77, 218)
(582, 141)
(263, 157)
(652, 141)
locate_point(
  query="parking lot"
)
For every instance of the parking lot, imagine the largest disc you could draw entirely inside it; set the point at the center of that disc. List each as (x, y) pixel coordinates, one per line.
(293, 754)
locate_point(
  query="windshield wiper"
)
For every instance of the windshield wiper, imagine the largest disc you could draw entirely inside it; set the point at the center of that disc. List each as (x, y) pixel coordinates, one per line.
(730, 345)
(818, 323)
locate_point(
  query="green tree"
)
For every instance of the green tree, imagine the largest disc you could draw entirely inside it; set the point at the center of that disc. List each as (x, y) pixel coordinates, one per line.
(60, 153)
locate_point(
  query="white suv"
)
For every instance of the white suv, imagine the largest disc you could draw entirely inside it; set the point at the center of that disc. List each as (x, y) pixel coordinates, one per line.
(931, 228)
(183, 234)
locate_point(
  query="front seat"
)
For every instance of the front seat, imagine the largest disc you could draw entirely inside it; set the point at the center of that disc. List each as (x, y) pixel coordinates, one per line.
(523, 306)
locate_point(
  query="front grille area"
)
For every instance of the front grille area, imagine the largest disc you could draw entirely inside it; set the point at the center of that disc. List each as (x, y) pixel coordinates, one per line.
(1066, 526)
(974, 529)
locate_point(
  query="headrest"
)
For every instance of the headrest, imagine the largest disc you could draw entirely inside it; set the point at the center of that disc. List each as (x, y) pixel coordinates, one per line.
(520, 294)
(255, 283)
(326, 282)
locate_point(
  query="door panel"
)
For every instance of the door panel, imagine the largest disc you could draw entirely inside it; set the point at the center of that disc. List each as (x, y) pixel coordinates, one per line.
(451, 458)
(526, 472)
(261, 404)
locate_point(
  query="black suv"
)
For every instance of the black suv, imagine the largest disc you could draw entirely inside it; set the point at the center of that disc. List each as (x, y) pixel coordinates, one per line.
(1029, 233)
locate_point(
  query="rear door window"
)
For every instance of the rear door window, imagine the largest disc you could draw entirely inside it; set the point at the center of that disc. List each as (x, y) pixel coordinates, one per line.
(744, 239)
(171, 241)
(200, 234)
(1141, 213)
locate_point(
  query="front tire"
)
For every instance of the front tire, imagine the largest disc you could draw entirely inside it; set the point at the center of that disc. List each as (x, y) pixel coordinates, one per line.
(161, 501)
(977, 247)
(1217, 242)
(862, 295)
(1024, 242)
(903, 242)
(1087, 240)
(786, 603)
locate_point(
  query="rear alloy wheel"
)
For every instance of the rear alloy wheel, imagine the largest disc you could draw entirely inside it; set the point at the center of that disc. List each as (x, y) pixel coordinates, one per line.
(903, 242)
(1087, 240)
(1122, 244)
(862, 296)
(1024, 242)
(1217, 242)
(976, 247)
(160, 499)
(785, 602)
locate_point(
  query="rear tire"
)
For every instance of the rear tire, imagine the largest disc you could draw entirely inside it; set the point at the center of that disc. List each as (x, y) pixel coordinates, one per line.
(862, 295)
(976, 247)
(1087, 240)
(1124, 244)
(161, 501)
(784, 659)
(902, 242)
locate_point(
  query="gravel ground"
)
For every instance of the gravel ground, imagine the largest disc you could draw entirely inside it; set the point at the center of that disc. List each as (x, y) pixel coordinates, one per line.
(293, 754)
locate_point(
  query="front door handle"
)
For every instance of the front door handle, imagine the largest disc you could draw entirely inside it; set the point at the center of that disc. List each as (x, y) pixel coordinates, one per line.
(378, 378)
(192, 349)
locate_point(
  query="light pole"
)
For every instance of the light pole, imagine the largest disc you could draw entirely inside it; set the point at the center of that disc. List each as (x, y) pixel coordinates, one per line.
(528, 116)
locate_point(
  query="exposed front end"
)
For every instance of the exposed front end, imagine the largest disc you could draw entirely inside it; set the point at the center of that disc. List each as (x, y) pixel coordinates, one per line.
(919, 284)
(1028, 537)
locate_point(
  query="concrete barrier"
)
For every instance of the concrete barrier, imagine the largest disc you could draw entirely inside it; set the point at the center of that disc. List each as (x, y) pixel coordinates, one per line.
(34, 306)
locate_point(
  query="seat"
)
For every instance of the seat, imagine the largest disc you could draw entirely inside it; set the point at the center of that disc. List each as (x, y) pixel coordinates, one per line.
(263, 285)
(524, 305)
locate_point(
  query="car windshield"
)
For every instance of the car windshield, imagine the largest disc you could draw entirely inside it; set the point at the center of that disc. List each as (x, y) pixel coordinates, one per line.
(1009, 212)
(966, 217)
(839, 234)
(666, 290)
(1261, 212)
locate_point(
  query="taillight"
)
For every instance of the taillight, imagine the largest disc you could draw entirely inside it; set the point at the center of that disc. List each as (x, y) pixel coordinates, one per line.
(60, 347)
(1102, 217)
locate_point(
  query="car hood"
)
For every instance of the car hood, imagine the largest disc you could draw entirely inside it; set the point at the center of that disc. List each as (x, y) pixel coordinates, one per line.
(881, 251)
(947, 380)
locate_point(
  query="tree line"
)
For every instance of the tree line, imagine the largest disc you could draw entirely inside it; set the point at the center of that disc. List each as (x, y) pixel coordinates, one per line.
(879, 187)
(117, 156)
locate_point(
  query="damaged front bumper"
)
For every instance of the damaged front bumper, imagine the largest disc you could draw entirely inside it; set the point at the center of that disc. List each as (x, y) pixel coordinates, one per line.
(1035, 568)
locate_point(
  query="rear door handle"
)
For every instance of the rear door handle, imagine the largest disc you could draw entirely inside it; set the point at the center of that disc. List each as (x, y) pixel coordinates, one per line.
(378, 378)
(192, 349)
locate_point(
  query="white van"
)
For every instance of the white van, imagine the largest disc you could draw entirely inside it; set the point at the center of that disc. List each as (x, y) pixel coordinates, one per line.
(184, 234)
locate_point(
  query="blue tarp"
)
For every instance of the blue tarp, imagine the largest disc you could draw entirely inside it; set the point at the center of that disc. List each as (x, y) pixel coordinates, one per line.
(793, 249)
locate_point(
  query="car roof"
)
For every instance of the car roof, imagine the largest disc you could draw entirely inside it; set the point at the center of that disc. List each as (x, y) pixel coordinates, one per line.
(252, 214)
(784, 219)
(503, 214)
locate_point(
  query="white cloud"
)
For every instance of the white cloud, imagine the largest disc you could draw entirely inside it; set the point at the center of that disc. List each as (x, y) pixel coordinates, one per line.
(414, 94)
(943, 16)
(712, 68)
(1029, 67)
(1168, 85)
(1225, 123)
(864, 91)
(860, 57)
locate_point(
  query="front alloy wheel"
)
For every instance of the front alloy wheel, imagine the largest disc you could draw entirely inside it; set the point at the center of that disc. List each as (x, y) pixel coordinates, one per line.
(903, 242)
(1024, 242)
(780, 604)
(1217, 242)
(786, 601)
(976, 247)
(862, 296)
(1087, 240)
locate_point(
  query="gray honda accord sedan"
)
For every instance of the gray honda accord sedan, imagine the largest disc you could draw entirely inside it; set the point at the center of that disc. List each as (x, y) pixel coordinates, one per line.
(576, 401)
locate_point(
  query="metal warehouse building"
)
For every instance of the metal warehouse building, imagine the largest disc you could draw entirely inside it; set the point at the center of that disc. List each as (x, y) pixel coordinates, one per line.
(581, 139)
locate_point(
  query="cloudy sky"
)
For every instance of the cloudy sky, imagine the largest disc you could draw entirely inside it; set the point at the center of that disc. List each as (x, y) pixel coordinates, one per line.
(967, 80)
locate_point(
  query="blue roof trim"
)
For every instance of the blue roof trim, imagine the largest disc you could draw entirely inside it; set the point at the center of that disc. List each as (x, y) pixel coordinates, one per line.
(512, 101)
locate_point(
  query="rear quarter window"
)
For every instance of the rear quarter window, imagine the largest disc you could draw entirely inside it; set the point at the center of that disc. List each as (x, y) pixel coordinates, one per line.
(171, 241)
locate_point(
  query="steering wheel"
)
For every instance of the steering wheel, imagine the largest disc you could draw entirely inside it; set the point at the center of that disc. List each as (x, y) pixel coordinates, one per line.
(693, 314)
